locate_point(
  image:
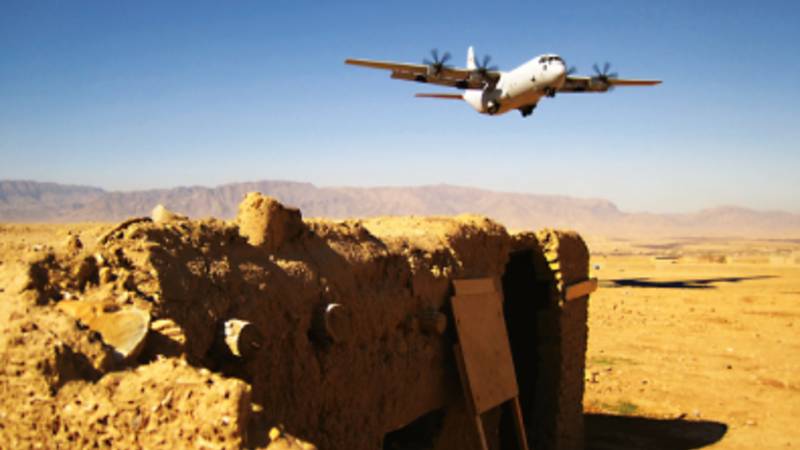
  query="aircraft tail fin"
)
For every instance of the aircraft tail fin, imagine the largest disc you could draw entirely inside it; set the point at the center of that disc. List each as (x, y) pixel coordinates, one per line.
(471, 58)
(441, 96)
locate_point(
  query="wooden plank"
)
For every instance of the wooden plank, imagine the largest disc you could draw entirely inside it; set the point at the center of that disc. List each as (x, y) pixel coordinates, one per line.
(474, 286)
(486, 353)
(580, 289)
(468, 397)
(483, 354)
(462, 373)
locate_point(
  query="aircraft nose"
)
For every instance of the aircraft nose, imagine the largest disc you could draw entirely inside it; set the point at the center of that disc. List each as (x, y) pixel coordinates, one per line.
(561, 73)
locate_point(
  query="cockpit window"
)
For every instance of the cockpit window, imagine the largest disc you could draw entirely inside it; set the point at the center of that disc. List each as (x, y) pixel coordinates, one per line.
(543, 60)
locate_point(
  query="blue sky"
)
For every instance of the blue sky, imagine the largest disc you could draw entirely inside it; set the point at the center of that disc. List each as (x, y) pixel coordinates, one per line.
(160, 94)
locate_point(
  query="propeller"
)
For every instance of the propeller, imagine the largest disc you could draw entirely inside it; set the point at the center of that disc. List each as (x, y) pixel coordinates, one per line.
(436, 63)
(604, 75)
(482, 68)
(482, 65)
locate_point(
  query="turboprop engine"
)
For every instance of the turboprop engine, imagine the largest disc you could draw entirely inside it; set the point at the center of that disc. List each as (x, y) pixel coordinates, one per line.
(483, 101)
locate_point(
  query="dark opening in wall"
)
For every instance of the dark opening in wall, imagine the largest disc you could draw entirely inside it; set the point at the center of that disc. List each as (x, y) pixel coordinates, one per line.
(524, 298)
(417, 435)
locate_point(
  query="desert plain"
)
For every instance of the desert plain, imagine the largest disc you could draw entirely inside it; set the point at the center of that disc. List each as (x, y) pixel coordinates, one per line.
(693, 342)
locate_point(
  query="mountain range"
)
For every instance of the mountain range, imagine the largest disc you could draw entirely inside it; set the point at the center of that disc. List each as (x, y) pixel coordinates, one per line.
(32, 201)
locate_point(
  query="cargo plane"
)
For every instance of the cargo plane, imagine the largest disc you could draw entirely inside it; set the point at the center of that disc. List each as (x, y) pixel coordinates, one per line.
(494, 92)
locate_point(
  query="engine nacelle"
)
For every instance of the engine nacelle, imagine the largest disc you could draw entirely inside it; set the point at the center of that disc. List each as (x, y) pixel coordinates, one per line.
(487, 102)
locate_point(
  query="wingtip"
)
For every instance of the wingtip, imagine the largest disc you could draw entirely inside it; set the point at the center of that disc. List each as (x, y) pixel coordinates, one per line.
(625, 82)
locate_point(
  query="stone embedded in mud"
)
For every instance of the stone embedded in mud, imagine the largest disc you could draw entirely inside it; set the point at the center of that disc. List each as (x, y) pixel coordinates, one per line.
(161, 214)
(242, 338)
(170, 330)
(125, 330)
(333, 323)
(267, 223)
(166, 338)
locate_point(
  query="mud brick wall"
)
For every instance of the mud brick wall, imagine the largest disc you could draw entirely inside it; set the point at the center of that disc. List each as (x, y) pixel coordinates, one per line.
(563, 337)
(327, 330)
(570, 351)
(551, 388)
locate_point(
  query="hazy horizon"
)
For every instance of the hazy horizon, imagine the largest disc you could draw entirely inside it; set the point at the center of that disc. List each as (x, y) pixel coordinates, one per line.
(152, 95)
(406, 186)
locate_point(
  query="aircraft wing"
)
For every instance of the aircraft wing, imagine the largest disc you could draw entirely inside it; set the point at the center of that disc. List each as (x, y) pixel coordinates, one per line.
(601, 84)
(461, 78)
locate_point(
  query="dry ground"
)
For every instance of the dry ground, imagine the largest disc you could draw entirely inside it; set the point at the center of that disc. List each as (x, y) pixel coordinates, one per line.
(698, 338)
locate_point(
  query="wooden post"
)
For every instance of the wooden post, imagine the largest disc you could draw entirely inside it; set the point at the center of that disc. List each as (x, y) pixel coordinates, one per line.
(519, 424)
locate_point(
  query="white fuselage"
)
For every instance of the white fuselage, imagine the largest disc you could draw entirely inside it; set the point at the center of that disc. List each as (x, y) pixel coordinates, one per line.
(520, 88)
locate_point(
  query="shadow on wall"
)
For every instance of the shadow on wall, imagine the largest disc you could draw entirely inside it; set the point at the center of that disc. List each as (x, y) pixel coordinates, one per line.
(702, 283)
(607, 432)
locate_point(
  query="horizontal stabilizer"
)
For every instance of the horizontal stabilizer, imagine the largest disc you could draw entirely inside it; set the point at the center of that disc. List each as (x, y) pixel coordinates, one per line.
(373, 64)
(442, 96)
